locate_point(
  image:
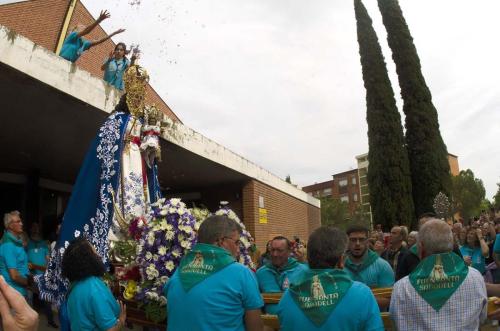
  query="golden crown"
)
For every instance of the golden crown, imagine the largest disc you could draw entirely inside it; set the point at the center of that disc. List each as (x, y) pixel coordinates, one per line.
(136, 79)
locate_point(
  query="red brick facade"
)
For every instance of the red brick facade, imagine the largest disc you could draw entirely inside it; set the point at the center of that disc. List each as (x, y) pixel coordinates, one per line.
(42, 21)
(286, 215)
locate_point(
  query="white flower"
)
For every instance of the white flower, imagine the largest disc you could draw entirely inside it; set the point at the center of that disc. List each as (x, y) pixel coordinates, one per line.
(162, 300)
(77, 233)
(181, 211)
(66, 244)
(169, 265)
(176, 253)
(155, 257)
(148, 256)
(151, 238)
(151, 272)
(169, 227)
(172, 210)
(61, 250)
(186, 244)
(162, 250)
(164, 212)
(163, 279)
(175, 201)
(86, 228)
(169, 235)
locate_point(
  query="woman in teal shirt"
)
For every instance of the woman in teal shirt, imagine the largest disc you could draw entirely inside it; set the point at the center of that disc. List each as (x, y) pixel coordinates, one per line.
(114, 67)
(90, 303)
(475, 250)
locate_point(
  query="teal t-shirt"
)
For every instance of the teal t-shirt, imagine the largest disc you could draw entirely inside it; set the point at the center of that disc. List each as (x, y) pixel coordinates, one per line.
(73, 47)
(477, 258)
(37, 251)
(218, 303)
(271, 281)
(91, 305)
(358, 310)
(378, 274)
(13, 256)
(114, 72)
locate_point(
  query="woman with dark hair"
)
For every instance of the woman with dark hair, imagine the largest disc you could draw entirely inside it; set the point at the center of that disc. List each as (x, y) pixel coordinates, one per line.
(91, 306)
(475, 250)
(115, 65)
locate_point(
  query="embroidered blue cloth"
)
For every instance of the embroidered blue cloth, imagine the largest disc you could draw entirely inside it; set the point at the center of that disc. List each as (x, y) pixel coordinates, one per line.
(90, 208)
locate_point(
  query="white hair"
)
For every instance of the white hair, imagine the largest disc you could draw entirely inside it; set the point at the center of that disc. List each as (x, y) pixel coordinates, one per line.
(413, 234)
(436, 237)
(7, 217)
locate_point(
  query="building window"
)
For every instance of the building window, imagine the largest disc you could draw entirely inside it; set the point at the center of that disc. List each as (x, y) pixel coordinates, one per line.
(355, 197)
(344, 198)
(327, 192)
(354, 181)
(343, 182)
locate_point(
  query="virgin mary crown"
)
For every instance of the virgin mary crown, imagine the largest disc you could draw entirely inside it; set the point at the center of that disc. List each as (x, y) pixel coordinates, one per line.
(136, 79)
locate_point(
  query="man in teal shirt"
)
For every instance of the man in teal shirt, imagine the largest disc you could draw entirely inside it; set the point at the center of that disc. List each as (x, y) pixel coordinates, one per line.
(210, 291)
(13, 258)
(364, 265)
(326, 298)
(283, 270)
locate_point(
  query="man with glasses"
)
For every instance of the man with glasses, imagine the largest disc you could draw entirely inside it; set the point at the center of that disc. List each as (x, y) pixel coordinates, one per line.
(209, 290)
(364, 265)
(13, 257)
(283, 270)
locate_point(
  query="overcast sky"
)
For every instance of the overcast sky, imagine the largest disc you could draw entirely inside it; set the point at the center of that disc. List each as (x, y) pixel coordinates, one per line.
(279, 81)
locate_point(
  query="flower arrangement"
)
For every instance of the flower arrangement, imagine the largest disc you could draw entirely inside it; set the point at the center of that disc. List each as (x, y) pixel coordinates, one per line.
(245, 236)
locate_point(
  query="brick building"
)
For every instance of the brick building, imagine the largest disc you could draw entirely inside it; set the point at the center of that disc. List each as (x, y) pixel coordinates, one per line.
(55, 108)
(344, 186)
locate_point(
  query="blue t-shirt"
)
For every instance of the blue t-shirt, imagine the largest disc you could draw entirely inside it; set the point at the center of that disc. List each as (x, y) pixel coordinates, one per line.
(217, 303)
(272, 282)
(477, 258)
(73, 47)
(358, 310)
(114, 72)
(378, 274)
(91, 305)
(13, 256)
(37, 254)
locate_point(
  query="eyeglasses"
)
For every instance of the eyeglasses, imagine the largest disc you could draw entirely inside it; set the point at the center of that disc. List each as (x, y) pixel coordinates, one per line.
(236, 242)
(360, 240)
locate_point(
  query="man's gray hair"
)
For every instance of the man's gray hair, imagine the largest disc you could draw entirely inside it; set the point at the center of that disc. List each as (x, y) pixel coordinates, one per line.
(7, 217)
(436, 237)
(325, 247)
(215, 228)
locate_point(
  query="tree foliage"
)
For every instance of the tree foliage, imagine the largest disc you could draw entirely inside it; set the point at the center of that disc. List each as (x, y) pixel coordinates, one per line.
(467, 194)
(496, 198)
(430, 170)
(335, 212)
(389, 176)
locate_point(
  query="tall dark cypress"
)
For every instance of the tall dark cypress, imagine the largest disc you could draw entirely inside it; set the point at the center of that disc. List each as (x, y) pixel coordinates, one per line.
(427, 152)
(389, 176)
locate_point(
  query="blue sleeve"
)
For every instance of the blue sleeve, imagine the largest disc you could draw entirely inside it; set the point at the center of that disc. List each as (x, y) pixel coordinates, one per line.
(496, 246)
(85, 44)
(10, 255)
(386, 274)
(71, 38)
(373, 320)
(250, 294)
(103, 302)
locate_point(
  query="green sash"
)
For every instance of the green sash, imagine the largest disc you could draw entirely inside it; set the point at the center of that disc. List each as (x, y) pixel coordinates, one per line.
(437, 277)
(277, 272)
(319, 292)
(201, 262)
(10, 237)
(414, 250)
(369, 258)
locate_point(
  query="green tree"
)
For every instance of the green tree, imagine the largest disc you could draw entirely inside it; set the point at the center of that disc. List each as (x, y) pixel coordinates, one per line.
(467, 194)
(496, 198)
(430, 170)
(333, 211)
(389, 176)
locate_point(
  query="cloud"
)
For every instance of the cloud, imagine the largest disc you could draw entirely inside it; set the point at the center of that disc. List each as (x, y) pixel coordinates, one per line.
(280, 83)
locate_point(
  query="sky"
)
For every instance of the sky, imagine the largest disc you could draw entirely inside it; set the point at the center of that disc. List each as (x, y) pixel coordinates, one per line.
(279, 81)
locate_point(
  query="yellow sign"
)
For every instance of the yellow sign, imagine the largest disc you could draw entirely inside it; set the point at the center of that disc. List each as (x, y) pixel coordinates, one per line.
(262, 215)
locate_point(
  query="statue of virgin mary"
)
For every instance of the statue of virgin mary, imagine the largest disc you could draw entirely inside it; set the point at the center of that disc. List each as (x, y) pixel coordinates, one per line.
(116, 183)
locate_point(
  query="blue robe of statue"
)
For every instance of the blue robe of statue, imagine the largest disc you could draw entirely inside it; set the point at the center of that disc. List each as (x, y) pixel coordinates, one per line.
(90, 210)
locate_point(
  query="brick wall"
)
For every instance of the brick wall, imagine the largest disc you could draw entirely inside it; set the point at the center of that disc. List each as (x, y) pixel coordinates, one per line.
(286, 215)
(38, 20)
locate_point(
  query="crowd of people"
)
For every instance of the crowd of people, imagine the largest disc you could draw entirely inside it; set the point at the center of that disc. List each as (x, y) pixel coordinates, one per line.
(441, 277)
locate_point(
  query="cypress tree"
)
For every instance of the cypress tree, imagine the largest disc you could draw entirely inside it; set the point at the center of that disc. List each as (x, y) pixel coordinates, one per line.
(389, 176)
(430, 170)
